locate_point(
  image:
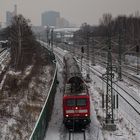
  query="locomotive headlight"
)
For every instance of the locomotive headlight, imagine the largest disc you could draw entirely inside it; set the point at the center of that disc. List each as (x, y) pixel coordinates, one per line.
(76, 107)
(67, 115)
(86, 115)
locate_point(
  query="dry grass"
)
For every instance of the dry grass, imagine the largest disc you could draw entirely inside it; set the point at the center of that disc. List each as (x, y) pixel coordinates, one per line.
(29, 101)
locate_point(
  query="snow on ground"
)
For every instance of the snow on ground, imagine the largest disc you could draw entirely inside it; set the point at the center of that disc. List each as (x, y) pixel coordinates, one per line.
(131, 59)
(56, 129)
(95, 90)
(20, 110)
(125, 129)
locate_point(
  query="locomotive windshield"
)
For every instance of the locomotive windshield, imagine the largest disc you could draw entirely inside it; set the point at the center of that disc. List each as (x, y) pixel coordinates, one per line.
(71, 102)
(81, 102)
(76, 102)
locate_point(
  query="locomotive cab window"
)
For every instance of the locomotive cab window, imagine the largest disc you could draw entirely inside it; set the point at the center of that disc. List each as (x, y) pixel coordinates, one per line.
(81, 102)
(76, 102)
(71, 102)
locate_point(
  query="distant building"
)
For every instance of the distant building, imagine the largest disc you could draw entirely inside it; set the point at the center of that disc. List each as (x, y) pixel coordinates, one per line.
(50, 18)
(10, 15)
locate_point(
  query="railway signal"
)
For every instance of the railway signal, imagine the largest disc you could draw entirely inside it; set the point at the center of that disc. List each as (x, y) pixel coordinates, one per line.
(82, 49)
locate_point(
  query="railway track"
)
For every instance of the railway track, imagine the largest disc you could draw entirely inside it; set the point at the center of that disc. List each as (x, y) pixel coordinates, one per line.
(102, 59)
(131, 68)
(135, 99)
(3, 50)
(126, 67)
(127, 99)
(121, 88)
(127, 71)
(126, 74)
(77, 135)
(70, 135)
(3, 54)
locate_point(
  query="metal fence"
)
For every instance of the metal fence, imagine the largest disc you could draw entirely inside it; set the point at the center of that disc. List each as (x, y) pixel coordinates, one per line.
(45, 115)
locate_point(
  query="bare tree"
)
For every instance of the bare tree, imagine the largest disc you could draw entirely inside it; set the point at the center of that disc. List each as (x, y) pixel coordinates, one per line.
(22, 42)
(106, 19)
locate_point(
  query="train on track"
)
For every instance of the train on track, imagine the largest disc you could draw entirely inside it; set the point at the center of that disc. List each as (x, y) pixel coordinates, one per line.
(76, 101)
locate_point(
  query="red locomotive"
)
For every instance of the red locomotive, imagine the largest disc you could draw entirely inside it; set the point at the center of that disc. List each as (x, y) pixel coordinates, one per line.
(76, 102)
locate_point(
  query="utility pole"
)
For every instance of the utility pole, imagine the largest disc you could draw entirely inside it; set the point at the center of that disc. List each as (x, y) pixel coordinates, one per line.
(47, 35)
(137, 51)
(88, 55)
(52, 39)
(120, 57)
(93, 57)
(82, 52)
(88, 69)
(109, 119)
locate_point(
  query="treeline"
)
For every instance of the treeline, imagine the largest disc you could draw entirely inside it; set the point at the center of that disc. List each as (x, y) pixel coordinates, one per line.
(128, 27)
(125, 27)
(22, 42)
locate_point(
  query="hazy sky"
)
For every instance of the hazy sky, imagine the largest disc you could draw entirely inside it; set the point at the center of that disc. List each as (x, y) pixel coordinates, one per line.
(76, 11)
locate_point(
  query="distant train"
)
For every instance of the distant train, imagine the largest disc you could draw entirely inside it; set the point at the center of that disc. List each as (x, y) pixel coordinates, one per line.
(76, 102)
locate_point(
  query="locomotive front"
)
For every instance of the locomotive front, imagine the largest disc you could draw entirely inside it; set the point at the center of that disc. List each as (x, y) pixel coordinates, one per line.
(76, 102)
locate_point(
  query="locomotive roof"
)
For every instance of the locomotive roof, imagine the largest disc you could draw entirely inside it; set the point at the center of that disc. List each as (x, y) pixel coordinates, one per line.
(72, 68)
